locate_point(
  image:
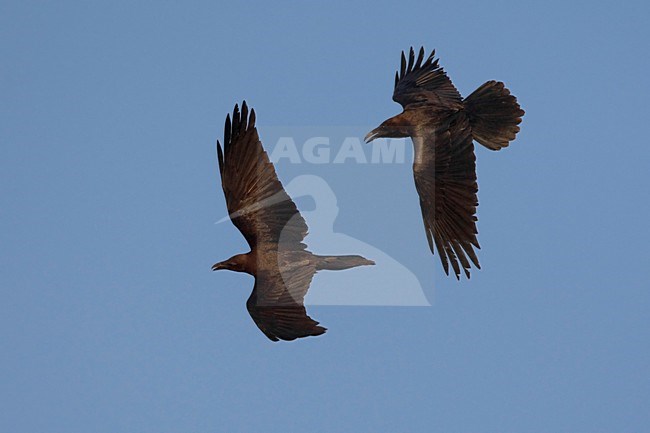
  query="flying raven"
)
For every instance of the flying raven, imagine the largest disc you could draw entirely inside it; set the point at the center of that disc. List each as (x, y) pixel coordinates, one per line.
(274, 229)
(443, 126)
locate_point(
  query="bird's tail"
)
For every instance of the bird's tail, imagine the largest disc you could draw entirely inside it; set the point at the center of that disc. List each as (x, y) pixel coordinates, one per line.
(494, 115)
(339, 263)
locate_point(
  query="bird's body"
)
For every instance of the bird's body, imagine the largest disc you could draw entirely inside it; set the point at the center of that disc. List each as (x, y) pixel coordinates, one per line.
(260, 208)
(443, 126)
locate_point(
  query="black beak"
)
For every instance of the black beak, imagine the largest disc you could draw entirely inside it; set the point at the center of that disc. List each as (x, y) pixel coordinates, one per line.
(371, 135)
(218, 266)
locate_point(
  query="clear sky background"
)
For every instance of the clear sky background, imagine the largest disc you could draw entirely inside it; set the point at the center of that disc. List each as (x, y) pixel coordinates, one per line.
(111, 321)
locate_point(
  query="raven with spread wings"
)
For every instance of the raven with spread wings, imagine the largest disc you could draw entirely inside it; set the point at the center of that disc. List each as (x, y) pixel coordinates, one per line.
(443, 126)
(274, 229)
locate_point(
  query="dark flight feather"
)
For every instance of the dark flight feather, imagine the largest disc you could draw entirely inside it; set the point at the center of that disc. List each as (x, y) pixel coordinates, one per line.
(257, 203)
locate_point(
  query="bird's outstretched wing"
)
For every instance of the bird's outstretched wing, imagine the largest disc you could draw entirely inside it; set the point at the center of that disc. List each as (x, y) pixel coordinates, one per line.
(257, 203)
(276, 304)
(424, 82)
(445, 178)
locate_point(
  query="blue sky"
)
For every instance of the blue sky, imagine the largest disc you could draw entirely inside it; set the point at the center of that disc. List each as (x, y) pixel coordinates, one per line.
(112, 321)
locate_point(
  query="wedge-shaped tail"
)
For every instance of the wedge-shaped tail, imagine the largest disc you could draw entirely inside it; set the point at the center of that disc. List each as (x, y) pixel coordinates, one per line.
(494, 115)
(339, 263)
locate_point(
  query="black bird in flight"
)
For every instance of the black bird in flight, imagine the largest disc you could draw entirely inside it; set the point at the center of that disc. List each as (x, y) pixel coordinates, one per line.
(264, 213)
(443, 126)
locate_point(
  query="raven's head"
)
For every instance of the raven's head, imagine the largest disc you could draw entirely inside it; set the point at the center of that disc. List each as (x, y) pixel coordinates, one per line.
(238, 263)
(395, 127)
